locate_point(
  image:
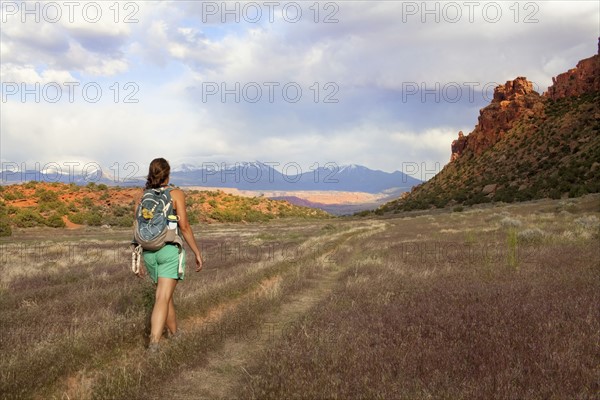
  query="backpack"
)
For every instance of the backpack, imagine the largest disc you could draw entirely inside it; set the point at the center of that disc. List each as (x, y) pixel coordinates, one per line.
(150, 225)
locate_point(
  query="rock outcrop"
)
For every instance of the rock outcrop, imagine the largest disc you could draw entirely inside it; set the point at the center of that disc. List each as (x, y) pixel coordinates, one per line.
(517, 98)
(511, 101)
(584, 78)
(525, 146)
(458, 146)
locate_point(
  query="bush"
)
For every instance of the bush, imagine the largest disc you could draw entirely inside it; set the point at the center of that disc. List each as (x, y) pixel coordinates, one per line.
(46, 196)
(193, 217)
(5, 229)
(458, 209)
(27, 218)
(577, 191)
(30, 185)
(15, 195)
(77, 218)
(87, 202)
(508, 222)
(532, 235)
(589, 222)
(124, 221)
(56, 206)
(554, 194)
(226, 216)
(93, 219)
(55, 221)
(121, 211)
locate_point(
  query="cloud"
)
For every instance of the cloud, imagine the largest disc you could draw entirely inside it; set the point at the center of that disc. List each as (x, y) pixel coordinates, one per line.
(394, 78)
(66, 40)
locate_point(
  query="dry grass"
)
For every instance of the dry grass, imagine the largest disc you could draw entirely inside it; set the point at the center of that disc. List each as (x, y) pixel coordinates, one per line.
(421, 319)
(447, 305)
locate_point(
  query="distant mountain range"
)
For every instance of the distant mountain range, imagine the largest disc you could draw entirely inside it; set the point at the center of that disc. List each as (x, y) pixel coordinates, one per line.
(260, 176)
(254, 176)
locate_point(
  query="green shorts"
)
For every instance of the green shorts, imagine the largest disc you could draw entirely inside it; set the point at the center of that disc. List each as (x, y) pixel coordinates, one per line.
(164, 263)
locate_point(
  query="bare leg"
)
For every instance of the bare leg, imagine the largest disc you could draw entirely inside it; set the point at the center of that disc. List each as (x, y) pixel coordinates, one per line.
(164, 295)
(171, 318)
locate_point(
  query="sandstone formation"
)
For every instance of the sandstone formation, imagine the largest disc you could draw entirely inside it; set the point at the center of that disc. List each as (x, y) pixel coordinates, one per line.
(584, 78)
(458, 146)
(517, 98)
(510, 102)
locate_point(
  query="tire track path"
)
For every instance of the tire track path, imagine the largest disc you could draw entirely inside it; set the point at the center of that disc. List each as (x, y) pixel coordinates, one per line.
(226, 368)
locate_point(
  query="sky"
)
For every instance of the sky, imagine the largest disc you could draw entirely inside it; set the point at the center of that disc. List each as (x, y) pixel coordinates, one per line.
(384, 84)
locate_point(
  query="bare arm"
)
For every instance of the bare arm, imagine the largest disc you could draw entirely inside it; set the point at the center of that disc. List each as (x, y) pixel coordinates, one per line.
(184, 225)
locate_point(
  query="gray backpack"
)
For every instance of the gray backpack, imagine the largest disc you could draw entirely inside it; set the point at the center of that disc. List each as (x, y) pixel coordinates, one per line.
(151, 223)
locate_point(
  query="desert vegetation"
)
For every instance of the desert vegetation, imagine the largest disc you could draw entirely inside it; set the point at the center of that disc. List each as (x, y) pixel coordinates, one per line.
(56, 205)
(486, 302)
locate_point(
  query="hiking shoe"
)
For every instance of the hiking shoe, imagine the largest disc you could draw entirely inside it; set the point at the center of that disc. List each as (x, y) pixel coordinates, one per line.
(153, 348)
(177, 335)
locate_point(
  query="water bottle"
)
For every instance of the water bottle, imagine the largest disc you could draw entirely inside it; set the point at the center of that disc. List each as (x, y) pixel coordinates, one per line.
(173, 221)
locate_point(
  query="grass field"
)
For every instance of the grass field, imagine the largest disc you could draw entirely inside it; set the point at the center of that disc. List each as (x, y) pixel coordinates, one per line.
(492, 302)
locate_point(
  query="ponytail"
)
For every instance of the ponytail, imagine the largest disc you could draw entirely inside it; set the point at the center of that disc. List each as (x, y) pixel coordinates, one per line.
(157, 173)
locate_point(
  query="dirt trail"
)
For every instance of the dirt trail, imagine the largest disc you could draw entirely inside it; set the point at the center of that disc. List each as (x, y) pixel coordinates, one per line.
(226, 368)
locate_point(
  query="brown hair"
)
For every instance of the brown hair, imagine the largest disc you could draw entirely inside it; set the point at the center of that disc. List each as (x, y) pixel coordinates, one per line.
(157, 173)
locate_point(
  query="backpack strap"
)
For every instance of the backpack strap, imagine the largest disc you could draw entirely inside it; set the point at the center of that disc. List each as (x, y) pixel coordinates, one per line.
(178, 241)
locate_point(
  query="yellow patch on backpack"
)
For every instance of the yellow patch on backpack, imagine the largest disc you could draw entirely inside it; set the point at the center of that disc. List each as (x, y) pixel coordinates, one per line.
(147, 214)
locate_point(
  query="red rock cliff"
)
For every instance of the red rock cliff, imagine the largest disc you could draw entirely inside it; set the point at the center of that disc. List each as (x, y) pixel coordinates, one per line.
(510, 102)
(585, 77)
(517, 98)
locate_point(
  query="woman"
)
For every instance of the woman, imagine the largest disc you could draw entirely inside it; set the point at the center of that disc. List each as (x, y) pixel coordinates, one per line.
(162, 265)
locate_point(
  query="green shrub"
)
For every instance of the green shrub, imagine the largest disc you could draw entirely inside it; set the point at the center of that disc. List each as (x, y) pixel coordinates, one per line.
(93, 219)
(46, 196)
(15, 195)
(577, 191)
(226, 216)
(55, 206)
(30, 185)
(123, 221)
(5, 229)
(193, 217)
(120, 211)
(77, 218)
(531, 235)
(87, 202)
(27, 218)
(55, 221)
